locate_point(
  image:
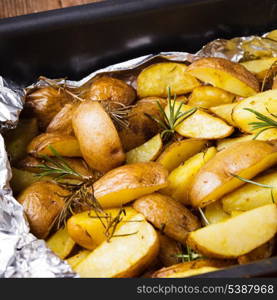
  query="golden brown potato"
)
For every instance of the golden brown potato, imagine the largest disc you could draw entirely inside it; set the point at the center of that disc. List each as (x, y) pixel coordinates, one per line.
(155, 80)
(112, 90)
(169, 250)
(98, 138)
(140, 127)
(264, 103)
(17, 140)
(62, 121)
(45, 103)
(225, 143)
(246, 159)
(191, 268)
(225, 112)
(168, 215)
(222, 73)
(65, 145)
(262, 252)
(209, 96)
(250, 196)
(61, 243)
(129, 182)
(87, 230)
(73, 261)
(259, 67)
(30, 164)
(180, 179)
(214, 213)
(179, 151)
(201, 125)
(42, 203)
(236, 236)
(125, 256)
(148, 151)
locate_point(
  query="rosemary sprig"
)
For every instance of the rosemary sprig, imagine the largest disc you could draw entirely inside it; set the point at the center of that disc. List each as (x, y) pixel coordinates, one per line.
(175, 118)
(257, 183)
(189, 256)
(265, 124)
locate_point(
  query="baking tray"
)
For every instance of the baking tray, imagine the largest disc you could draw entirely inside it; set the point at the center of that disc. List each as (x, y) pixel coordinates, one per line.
(75, 41)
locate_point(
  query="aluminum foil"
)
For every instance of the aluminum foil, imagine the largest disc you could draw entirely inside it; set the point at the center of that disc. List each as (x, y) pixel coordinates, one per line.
(21, 253)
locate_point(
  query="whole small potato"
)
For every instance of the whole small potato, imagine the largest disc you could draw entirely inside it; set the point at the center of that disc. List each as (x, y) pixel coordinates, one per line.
(45, 103)
(98, 138)
(111, 89)
(140, 127)
(42, 203)
(168, 215)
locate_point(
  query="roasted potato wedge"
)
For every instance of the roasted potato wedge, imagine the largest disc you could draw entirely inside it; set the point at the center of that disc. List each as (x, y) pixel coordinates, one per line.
(113, 90)
(168, 215)
(140, 127)
(124, 256)
(214, 213)
(180, 151)
(42, 203)
(98, 138)
(236, 236)
(17, 140)
(225, 143)
(264, 103)
(45, 103)
(259, 67)
(225, 112)
(87, 229)
(61, 243)
(65, 145)
(129, 182)
(155, 80)
(191, 268)
(250, 196)
(209, 96)
(169, 250)
(73, 261)
(62, 121)
(262, 252)
(201, 125)
(216, 179)
(180, 179)
(148, 151)
(222, 73)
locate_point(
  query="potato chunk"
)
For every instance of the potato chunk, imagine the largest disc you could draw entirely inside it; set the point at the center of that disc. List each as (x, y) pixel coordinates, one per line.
(155, 80)
(180, 151)
(125, 256)
(215, 179)
(225, 112)
(168, 215)
(236, 236)
(128, 182)
(222, 73)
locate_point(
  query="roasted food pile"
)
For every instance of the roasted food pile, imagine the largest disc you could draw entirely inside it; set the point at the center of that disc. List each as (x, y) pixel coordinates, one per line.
(173, 175)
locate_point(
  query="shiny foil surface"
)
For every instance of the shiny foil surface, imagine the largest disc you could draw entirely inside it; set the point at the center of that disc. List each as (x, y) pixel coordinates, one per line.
(22, 255)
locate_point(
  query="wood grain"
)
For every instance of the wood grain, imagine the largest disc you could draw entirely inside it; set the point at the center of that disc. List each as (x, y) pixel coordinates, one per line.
(11, 8)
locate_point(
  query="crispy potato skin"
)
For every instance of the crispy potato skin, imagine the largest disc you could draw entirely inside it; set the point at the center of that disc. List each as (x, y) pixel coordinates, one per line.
(66, 145)
(141, 128)
(62, 121)
(262, 252)
(169, 248)
(128, 182)
(234, 69)
(179, 270)
(98, 138)
(111, 89)
(45, 103)
(215, 180)
(42, 203)
(168, 215)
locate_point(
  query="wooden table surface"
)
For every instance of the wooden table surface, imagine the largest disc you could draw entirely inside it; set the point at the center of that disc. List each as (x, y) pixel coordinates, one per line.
(11, 8)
